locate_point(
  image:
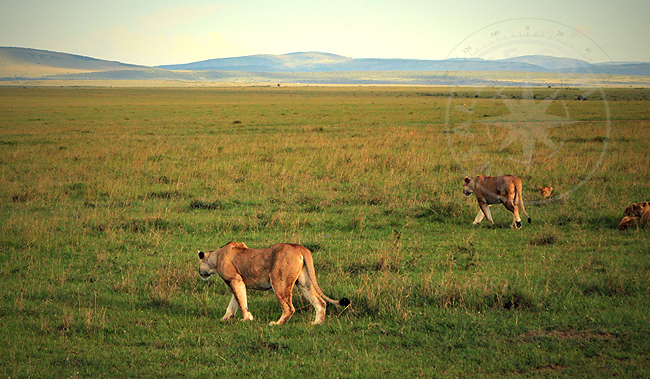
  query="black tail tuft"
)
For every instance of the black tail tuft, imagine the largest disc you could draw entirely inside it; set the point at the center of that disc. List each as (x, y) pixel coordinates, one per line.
(529, 220)
(344, 302)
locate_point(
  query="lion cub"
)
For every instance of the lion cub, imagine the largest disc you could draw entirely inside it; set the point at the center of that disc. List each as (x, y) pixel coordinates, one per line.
(545, 191)
(277, 267)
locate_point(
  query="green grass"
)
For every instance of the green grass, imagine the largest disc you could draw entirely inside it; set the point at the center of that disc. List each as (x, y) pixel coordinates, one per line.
(107, 194)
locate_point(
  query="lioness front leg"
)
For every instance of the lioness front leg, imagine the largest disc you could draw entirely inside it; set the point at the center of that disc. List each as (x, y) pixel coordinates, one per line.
(478, 218)
(231, 311)
(239, 293)
(485, 210)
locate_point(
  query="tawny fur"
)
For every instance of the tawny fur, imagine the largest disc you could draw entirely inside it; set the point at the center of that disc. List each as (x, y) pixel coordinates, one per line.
(278, 267)
(637, 214)
(506, 190)
(545, 192)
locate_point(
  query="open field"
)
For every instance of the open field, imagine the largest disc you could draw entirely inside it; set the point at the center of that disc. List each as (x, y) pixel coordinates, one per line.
(106, 194)
(165, 78)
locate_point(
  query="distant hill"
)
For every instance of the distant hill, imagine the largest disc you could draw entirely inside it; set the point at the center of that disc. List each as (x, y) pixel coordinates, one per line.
(29, 63)
(547, 62)
(325, 62)
(295, 62)
(553, 64)
(319, 68)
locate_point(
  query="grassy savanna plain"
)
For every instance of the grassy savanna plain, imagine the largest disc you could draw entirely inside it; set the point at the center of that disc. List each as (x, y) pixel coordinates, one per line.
(106, 194)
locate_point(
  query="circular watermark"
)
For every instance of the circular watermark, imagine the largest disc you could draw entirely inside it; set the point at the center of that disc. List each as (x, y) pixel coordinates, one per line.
(526, 101)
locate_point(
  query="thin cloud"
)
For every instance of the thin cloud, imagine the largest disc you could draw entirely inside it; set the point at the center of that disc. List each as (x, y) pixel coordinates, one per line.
(130, 46)
(178, 16)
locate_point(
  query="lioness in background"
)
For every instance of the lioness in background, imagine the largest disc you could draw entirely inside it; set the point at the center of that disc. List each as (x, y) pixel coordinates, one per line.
(277, 267)
(490, 190)
(637, 214)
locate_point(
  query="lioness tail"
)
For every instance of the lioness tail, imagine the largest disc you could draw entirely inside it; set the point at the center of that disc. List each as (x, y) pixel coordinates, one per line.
(309, 262)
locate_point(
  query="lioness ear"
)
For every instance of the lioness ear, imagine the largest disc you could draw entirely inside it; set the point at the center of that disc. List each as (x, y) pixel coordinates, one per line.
(201, 255)
(467, 179)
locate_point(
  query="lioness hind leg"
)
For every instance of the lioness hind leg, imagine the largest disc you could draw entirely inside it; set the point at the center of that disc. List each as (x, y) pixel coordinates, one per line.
(314, 298)
(514, 208)
(286, 302)
(517, 219)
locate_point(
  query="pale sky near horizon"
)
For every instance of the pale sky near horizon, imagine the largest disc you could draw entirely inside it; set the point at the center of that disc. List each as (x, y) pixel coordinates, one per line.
(169, 32)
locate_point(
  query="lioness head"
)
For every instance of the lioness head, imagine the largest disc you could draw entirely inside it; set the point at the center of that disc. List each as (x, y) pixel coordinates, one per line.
(205, 268)
(637, 209)
(208, 260)
(468, 186)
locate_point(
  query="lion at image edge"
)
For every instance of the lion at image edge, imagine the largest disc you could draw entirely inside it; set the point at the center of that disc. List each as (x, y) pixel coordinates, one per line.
(637, 214)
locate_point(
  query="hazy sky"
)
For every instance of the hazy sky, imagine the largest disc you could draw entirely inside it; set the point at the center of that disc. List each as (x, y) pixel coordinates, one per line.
(156, 32)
